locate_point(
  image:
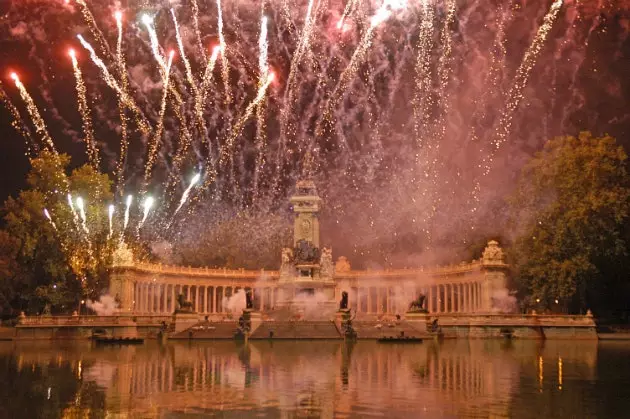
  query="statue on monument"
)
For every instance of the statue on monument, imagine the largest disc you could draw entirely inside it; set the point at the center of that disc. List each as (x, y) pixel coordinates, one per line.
(249, 299)
(327, 269)
(417, 305)
(343, 304)
(305, 252)
(184, 306)
(493, 253)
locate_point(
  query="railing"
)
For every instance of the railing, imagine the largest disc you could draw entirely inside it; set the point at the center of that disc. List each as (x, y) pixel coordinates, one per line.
(260, 274)
(545, 320)
(220, 272)
(90, 320)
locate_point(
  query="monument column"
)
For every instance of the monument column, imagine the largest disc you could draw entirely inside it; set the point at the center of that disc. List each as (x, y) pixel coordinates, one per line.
(452, 288)
(369, 300)
(164, 299)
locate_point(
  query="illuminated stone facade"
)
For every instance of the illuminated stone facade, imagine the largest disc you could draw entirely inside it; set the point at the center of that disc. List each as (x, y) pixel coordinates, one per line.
(307, 269)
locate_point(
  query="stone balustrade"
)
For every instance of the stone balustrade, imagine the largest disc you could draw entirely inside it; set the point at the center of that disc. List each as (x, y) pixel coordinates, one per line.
(464, 288)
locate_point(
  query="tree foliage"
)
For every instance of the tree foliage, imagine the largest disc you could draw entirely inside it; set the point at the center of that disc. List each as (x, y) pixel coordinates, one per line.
(51, 264)
(571, 208)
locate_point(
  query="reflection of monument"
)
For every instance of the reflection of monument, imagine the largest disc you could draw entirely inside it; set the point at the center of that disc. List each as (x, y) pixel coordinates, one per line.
(307, 270)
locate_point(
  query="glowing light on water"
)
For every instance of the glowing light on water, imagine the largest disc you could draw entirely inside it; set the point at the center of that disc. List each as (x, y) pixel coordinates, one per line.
(193, 182)
(84, 110)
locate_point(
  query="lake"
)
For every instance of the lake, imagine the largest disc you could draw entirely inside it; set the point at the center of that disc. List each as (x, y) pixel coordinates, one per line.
(316, 379)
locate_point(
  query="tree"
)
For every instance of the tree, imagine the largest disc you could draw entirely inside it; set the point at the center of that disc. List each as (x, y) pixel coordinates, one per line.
(571, 209)
(58, 259)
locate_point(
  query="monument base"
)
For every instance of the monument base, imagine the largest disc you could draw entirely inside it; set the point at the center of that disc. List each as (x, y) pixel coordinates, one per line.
(184, 320)
(419, 320)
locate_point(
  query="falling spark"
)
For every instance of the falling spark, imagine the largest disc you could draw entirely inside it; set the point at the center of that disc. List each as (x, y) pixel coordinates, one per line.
(515, 94)
(81, 207)
(110, 213)
(155, 46)
(207, 77)
(189, 74)
(153, 147)
(224, 62)
(146, 206)
(193, 182)
(38, 121)
(111, 82)
(47, 214)
(262, 47)
(248, 111)
(18, 122)
(84, 110)
(124, 140)
(195, 8)
(345, 14)
(126, 220)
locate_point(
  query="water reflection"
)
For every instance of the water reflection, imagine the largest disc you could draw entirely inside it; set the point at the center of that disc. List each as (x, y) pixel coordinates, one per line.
(476, 378)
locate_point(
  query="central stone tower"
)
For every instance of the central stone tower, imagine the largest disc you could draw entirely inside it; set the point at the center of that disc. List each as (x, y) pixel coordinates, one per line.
(306, 274)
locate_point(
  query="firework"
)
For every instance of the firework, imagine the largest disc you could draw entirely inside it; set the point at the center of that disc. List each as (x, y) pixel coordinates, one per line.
(81, 208)
(127, 207)
(84, 110)
(224, 61)
(146, 207)
(38, 121)
(47, 215)
(193, 182)
(153, 147)
(110, 214)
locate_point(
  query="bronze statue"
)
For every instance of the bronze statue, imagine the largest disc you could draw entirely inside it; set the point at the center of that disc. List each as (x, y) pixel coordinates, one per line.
(343, 304)
(184, 305)
(249, 299)
(418, 304)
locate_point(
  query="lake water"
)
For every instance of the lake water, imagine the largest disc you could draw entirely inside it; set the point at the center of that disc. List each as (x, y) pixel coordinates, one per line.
(476, 379)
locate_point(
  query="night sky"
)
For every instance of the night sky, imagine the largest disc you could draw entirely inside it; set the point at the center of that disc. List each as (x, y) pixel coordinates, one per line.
(580, 80)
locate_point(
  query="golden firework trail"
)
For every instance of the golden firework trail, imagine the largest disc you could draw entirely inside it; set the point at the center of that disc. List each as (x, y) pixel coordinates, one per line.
(84, 110)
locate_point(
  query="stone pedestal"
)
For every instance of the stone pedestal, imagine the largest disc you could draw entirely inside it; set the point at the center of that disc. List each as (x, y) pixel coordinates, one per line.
(419, 320)
(254, 318)
(183, 320)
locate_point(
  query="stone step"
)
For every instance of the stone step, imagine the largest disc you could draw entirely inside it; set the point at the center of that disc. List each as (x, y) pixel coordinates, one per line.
(297, 330)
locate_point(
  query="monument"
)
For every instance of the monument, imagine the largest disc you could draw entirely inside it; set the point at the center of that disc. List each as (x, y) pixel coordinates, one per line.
(307, 270)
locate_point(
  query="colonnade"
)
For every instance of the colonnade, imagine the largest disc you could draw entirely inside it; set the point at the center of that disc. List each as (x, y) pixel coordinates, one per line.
(161, 298)
(465, 297)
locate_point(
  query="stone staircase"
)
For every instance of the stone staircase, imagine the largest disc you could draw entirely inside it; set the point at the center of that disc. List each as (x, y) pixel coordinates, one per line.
(208, 330)
(296, 330)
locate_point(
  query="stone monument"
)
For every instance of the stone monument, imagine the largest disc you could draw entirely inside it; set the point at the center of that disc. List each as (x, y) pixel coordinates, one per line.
(307, 270)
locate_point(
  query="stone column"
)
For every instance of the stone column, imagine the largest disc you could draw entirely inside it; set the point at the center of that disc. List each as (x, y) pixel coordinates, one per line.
(387, 303)
(147, 291)
(430, 302)
(188, 292)
(369, 300)
(146, 298)
(452, 307)
(197, 300)
(164, 300)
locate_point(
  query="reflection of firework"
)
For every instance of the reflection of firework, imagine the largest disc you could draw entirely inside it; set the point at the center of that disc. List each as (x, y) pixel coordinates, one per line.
(389, 86)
